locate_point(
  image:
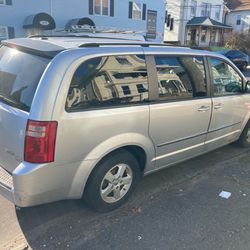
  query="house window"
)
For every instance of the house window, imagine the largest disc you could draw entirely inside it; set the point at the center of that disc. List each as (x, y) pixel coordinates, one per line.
(123, 61)
(137, 11)
(213, 36)
(217, 12)
(238, 20)
(206, 9)
(3, 33)
(101, 7)
(5, 2)
(126, 90)
(193, 8)
(203, 35)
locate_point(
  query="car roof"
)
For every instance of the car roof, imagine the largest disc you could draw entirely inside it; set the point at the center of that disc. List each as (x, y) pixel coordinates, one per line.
(51, 46)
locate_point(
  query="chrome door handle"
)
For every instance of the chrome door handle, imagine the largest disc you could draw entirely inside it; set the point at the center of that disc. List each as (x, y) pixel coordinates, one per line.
(204, 108)
(218, 106)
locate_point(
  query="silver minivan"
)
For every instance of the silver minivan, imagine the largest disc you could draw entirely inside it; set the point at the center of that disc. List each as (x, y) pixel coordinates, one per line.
(87, 118)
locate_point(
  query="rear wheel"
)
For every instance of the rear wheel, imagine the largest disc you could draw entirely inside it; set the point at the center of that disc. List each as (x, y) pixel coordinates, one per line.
(112, 181)
(244, 140)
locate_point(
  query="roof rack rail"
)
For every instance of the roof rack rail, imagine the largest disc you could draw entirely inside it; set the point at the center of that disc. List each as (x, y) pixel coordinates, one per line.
(91, 45)
(101, 29)
(77, 35)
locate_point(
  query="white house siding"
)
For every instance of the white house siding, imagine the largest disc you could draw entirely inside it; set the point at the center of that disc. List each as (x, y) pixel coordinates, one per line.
(180, 10)
(244, 26)
(62, 11)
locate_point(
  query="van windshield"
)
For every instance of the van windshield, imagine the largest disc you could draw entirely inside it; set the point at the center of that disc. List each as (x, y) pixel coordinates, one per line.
(19, 76)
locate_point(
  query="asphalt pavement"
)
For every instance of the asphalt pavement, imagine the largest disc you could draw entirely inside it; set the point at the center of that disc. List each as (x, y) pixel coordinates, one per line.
(176, 208)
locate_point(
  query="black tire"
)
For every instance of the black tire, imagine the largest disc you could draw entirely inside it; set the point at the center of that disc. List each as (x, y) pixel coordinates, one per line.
(92, 194)
(244, 140)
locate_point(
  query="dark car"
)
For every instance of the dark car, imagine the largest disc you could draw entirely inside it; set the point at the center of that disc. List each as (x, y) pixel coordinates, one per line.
(239, 58)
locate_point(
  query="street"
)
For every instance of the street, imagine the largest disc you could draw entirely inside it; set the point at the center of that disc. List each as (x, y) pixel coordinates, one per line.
(176, 208)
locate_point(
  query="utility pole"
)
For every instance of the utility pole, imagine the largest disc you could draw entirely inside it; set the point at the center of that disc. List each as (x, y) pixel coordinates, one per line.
(183, 18)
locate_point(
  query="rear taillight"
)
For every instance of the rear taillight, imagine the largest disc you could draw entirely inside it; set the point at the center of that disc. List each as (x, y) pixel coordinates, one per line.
(40, 141)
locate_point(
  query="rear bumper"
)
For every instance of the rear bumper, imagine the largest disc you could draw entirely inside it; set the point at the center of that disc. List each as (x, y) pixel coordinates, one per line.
(6, 185)
(34, 184)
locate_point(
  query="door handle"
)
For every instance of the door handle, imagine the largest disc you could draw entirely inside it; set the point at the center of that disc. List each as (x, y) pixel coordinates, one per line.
(218, 106)
(204, 108)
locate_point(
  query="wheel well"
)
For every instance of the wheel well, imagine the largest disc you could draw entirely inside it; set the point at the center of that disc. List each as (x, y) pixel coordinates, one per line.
(139, 154)
(137, 151)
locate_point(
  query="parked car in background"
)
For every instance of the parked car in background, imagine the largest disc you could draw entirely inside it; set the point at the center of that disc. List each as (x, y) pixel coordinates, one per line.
(239, 58)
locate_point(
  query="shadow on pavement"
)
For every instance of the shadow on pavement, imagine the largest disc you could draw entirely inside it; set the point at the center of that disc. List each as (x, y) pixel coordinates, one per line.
(69, 224)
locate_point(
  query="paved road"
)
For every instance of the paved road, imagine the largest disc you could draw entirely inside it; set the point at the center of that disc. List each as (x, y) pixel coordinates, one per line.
(177, 208)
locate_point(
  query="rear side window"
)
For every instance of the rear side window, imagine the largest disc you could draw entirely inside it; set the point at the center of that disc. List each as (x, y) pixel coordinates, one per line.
(181, 77)
(108, 81)
(19, 76)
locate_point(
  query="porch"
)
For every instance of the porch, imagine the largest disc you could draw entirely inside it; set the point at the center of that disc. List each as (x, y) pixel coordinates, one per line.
(205, 32)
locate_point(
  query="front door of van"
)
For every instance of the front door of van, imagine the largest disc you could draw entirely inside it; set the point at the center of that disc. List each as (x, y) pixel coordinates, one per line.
(229, 104)
(179, 120)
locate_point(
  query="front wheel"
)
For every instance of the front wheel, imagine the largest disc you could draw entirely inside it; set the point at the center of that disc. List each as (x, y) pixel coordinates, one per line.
(112, 181)
(244, 140)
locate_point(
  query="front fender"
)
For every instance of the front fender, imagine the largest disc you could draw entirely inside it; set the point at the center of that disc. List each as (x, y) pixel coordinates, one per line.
(103, 149)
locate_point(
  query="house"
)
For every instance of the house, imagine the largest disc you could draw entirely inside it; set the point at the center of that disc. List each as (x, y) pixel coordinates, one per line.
(195, 22)
(238, 15)
(29, 17)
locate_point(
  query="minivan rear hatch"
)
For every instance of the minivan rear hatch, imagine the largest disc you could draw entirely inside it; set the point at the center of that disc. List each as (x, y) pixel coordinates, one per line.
(20, 73)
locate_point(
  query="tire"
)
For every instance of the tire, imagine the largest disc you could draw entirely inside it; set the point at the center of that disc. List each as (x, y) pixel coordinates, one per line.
(112, 181)
(244, 140)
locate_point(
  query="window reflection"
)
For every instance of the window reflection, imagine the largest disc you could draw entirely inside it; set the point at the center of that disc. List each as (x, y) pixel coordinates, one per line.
(226, 80)
(181, 77)
(111, 80)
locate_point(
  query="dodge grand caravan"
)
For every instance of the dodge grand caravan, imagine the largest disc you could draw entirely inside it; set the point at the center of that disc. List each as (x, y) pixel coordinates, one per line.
(86, 118)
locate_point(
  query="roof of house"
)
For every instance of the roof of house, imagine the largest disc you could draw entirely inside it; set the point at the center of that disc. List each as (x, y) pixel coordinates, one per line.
(207, 21)
(238, 5)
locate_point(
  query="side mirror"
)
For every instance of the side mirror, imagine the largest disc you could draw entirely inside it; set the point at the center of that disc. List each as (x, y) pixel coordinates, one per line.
(247, 87)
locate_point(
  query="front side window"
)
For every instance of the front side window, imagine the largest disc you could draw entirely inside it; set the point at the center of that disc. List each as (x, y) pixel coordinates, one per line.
(226, 80)
(101, 7)
(181, 77)
(108, 81)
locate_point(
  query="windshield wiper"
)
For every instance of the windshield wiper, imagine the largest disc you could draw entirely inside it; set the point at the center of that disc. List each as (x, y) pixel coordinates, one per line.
(14, 103)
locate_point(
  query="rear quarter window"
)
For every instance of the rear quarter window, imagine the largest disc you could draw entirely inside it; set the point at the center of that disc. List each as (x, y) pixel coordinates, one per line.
(19, 76)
